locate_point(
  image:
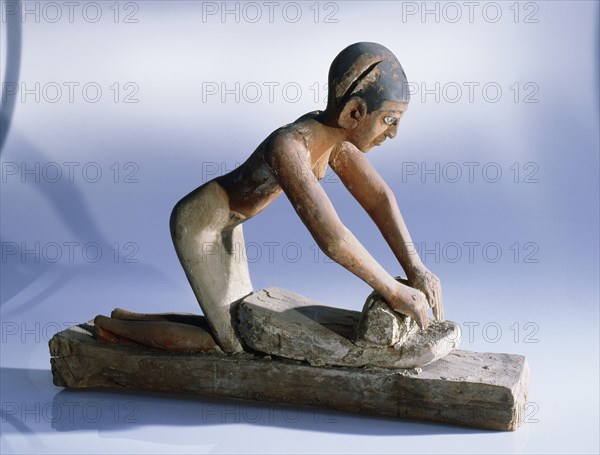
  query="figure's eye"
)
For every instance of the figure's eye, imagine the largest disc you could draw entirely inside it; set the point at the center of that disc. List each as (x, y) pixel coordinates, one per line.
(390, 120)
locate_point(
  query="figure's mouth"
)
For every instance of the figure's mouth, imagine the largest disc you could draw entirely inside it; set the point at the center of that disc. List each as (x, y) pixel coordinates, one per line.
(380, 140)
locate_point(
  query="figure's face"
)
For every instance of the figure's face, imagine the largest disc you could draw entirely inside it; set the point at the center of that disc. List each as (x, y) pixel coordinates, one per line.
(379, 125)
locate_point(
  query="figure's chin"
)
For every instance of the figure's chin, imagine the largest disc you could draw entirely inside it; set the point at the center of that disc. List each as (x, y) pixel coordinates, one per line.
(371, 146)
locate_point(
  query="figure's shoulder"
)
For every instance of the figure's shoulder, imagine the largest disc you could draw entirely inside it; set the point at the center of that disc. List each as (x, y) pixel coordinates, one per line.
(283, 138)
(293, 135)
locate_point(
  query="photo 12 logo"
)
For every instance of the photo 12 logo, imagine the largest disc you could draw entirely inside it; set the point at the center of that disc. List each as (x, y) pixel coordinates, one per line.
(51, 12)
(234, 413)
(71, 412)
(69, 172)
(71, 92)
(270, 12)
(70, 252)
(470, 172)
(470, 12)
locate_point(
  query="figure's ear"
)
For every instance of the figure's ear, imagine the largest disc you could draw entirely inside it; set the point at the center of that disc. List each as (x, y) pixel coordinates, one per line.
(352, 113)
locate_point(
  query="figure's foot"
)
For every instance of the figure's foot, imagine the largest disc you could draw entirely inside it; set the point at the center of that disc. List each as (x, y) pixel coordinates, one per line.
(105, 336)
(183, 318)
(162, 335)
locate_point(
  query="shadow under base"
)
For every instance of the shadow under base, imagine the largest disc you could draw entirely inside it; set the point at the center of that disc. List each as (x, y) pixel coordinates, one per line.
(482, 390)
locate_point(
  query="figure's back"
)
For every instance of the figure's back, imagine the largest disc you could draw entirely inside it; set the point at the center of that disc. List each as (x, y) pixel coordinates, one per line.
(252, 186)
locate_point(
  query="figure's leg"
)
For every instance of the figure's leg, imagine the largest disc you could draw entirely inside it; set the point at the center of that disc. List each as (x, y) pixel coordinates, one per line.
(210, 245)
(163, 335)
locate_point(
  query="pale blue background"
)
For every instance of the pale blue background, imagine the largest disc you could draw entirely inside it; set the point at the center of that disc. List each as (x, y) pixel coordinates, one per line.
(546, 310)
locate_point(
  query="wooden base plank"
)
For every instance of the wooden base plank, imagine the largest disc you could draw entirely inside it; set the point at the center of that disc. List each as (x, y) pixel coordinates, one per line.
(482, 390)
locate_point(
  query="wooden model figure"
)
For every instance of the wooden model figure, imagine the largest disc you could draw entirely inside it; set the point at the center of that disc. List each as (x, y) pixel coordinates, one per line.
(275, 346)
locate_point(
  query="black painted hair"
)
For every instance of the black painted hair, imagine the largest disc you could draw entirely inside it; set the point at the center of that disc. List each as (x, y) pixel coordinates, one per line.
(370, 71)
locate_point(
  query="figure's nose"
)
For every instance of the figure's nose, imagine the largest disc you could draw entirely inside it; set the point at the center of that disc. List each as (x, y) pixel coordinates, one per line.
(391, 131)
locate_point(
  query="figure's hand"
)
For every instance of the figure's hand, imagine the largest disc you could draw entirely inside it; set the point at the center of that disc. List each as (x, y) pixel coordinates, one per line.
(410, 302)
(425, 281)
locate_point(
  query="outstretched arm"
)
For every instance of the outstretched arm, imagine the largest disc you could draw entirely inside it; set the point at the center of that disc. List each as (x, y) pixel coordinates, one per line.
(288, 160)
(378, 200)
